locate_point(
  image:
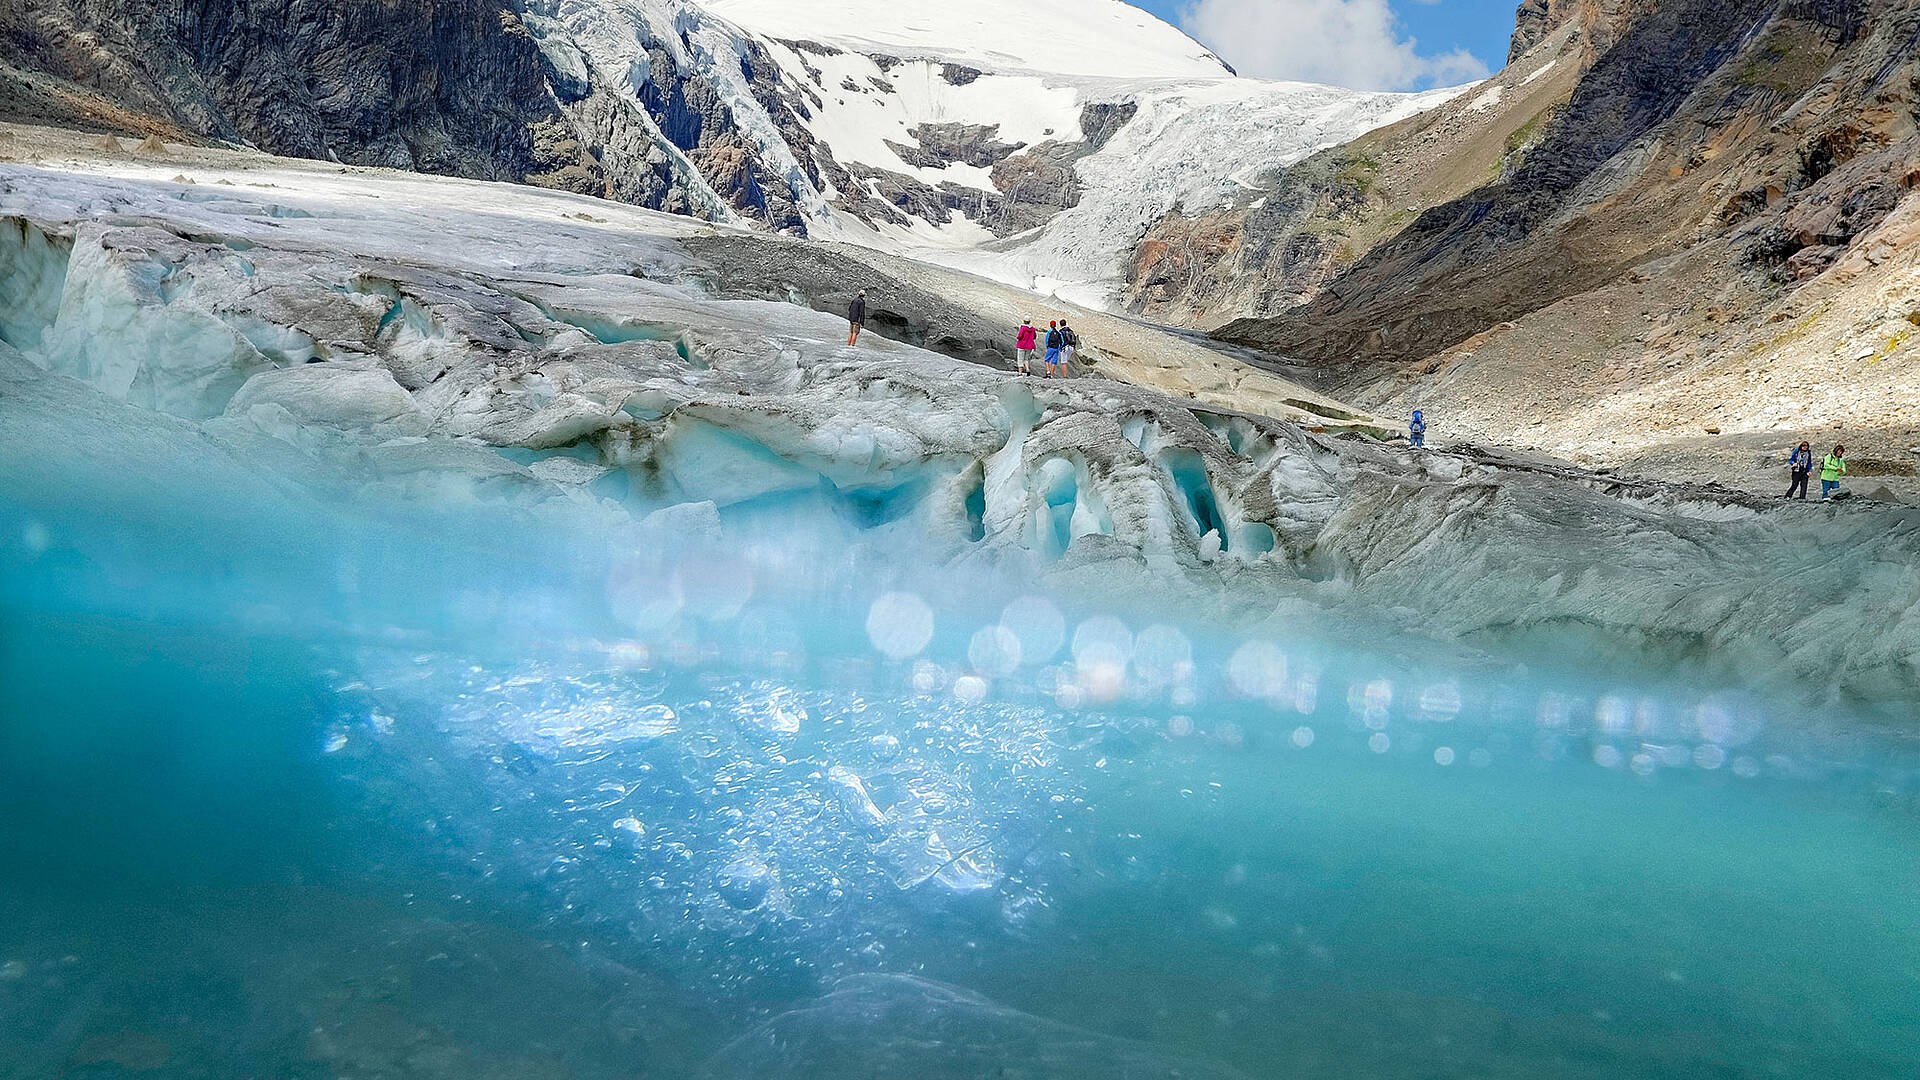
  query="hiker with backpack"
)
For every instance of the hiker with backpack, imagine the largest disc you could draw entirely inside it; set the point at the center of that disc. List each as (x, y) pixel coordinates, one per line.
(1069, 344)
(1800, 463)
(1831, 470)
(1054, 344)
(1417, 431)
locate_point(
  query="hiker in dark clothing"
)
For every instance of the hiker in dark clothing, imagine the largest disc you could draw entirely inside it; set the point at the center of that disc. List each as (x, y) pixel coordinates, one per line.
(1069, 344)
(1801, 463)
(856, 317)
(1054, 345)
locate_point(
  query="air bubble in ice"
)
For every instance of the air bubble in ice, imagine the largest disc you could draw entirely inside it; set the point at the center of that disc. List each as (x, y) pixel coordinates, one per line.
(744, 883)
(653, 721)
(646, 685)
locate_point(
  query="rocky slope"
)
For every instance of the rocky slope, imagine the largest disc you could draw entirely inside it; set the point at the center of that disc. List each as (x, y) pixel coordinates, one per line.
(1032, 143)
(1283, 236)
(1298, 227)
(378, 336)
(1684, 245)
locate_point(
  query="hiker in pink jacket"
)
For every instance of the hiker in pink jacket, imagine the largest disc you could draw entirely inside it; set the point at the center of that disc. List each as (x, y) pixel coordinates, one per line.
(1023, 345)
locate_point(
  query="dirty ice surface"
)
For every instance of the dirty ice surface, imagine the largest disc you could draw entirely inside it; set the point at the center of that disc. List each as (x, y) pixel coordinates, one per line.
(393, 705)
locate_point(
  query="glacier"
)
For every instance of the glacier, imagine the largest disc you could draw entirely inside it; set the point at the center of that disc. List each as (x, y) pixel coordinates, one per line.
(963, 136)
(459, 630)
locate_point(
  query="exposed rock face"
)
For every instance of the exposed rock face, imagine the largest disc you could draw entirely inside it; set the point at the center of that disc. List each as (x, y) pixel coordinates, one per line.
(938, 145)
(1685, 120)
(448, 87)
(475, 88)
(505, 91)
(1297, 228)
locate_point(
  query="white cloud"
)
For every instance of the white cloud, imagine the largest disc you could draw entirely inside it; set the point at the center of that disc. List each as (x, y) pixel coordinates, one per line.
(1355, 43)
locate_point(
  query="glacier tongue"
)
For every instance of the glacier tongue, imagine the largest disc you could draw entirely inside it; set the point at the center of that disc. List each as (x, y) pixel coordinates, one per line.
(454, 374)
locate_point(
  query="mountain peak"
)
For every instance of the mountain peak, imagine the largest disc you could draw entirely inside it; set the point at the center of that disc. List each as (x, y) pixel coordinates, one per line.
(1097, 38)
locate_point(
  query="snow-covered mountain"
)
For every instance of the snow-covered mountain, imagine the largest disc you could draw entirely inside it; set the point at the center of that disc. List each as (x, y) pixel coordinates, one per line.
(1030, 142)
(1034, 142)
(1062, 37)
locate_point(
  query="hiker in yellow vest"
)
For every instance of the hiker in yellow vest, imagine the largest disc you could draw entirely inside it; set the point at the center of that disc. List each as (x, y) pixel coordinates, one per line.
(1831, 470)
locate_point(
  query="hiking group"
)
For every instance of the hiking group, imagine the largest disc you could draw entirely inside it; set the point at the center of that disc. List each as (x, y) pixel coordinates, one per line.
(1800, 465)
(1061, 344)
(1061, 341)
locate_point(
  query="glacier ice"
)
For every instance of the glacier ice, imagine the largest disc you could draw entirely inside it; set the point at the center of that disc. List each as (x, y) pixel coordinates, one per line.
(634, 393)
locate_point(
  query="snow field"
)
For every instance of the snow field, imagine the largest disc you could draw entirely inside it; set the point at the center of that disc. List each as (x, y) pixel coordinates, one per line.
(1101, 38)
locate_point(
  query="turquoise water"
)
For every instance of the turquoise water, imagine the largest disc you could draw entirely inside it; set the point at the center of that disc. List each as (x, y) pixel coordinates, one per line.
(339, 798)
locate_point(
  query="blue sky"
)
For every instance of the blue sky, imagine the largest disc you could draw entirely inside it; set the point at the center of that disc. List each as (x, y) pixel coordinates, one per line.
(1371, 44)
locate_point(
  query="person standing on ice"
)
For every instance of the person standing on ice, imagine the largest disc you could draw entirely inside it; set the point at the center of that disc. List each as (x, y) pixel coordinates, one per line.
(1831, 470)
(1417, 431)
(856, 317)
(1800, 462)
(1053, 346)
(1023, 345)
(1069, 344)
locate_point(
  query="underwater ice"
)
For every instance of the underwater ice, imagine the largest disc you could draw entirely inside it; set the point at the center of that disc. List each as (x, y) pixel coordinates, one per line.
(454, 669)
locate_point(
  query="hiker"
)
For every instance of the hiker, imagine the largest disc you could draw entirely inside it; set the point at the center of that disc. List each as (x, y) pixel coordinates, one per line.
(1054, 345)
(856, 317)
(1023, 346)
(1801, 463)
(1417, 431)
(1831, 470)
(1069, 344)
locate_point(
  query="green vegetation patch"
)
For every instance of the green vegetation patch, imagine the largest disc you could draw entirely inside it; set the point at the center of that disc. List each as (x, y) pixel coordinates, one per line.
(1788, 60)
